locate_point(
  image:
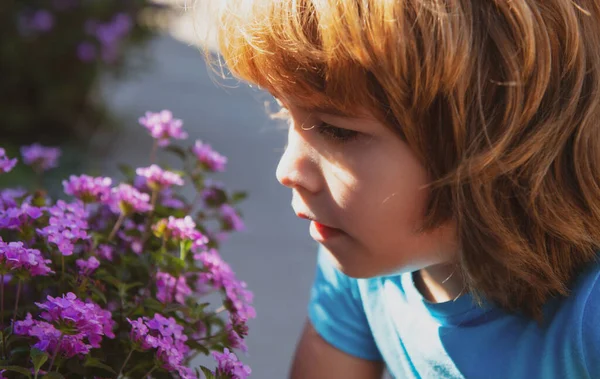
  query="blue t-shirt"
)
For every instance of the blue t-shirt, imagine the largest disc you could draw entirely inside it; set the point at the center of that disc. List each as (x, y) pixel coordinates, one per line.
(386, 318)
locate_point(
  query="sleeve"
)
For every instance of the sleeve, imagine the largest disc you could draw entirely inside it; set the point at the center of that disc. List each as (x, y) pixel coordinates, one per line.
(591, 330)
(336, 311)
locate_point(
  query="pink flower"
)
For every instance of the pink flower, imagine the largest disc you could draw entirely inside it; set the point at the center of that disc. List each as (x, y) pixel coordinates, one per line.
(158, 179)
(209, 158)
(162, 126)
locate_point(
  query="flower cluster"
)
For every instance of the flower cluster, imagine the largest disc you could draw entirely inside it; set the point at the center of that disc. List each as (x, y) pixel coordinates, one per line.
(229, 365)
(9, 197)
(162, 334)
(67, 225)
(88, 189)
(138, 252)
(6, 163)
(38, 21)
(158, 179)
(40, 157)
(218, 274)
(209, 158)
(171, 289)
(15, 216)
(70, 326)
(109, 35)
(16, 258)
(180, 229)
(88, 266)
(231, 218)
(162, 126)
(126, 200)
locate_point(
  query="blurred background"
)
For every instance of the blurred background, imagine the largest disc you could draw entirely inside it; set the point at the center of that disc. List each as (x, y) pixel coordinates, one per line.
(78, 74)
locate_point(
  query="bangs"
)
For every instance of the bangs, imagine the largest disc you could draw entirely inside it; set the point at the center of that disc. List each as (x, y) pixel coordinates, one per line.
(314, 53)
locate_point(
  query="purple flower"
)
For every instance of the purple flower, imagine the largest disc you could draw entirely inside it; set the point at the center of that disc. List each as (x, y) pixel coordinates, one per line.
(110, 36)
(234, 339)
(228, 364)
(67, 225)
(132, 235)
(170, 288)
(87, 267)
(86, 322)
(158, 179)
(162, 334)
(15, 217)
(126, 200)
(105, 252)
(185, 373)
(180, 229)
(86, 52)
(39, 157)
(165, 196)
(88, 189)
(216, 273)
(209, 158)
(231, 218)
(162, 126)
(6, 163)
(39, 21)
(9, 197)
(14, 256)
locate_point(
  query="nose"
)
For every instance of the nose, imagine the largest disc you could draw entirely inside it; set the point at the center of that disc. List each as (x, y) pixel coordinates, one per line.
(298, 167)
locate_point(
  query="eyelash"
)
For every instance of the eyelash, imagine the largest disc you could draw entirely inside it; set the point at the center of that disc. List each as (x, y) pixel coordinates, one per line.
(336, 134)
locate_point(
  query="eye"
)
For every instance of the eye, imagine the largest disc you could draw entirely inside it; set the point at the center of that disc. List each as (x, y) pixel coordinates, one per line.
(336, 134)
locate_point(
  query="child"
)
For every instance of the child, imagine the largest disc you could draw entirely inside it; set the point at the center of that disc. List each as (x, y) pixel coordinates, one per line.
(447, 153)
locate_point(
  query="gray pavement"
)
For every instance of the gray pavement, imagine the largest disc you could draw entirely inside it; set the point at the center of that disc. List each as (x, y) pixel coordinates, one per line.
(275, 256)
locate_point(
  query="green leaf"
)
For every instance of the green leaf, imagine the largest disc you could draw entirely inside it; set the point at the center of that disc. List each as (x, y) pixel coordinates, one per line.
(20, 370)
(53, 375)
(153, 304)
(98, 293)
(38, 357)
(93, 362)
(127, 170)
(207, 373)
(129, 286)
(236, 197)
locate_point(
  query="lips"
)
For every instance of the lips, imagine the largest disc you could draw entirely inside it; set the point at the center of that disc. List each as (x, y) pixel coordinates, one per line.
(323, 233)
(306, 217)
(319, 231)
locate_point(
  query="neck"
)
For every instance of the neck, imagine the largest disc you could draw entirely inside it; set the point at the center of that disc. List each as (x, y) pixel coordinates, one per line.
(440, 283)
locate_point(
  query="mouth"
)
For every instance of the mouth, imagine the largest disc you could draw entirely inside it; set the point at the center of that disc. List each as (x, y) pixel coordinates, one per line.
(321, 232)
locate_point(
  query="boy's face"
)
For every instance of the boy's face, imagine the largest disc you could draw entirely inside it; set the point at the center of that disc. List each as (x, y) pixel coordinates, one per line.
(366, 191)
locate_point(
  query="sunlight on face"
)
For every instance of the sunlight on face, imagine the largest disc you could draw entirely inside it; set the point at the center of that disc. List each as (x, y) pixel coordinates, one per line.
(357, 177)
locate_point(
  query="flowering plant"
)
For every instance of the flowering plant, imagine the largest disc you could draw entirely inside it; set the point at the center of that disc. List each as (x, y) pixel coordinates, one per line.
(111, 281)
(52, 55)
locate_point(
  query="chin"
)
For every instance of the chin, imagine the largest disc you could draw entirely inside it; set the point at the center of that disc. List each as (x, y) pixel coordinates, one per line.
(365, 269)
(355, 268)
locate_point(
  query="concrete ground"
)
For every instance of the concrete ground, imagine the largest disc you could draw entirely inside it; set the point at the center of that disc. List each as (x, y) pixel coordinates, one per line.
(275, 256)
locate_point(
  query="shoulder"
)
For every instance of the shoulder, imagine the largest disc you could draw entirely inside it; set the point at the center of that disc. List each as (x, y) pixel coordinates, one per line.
(588, 292)
(336, 311)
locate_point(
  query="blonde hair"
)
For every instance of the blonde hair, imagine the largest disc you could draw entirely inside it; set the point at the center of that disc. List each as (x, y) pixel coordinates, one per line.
(500, 100)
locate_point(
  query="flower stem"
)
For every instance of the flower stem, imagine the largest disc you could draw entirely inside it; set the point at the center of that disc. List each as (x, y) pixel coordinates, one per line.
(62, 262)
(19, 285)
(149, 372)
(116, 227)
(153, 152)
(62, 335)
(124, 364)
